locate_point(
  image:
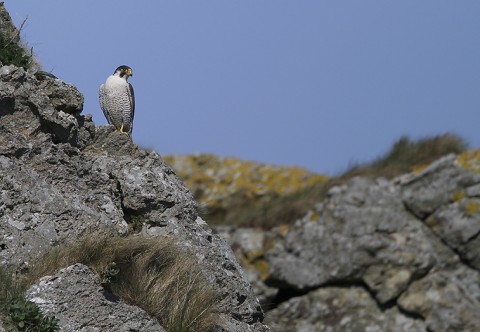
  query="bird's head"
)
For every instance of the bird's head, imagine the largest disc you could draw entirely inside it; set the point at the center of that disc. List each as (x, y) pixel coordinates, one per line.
(123, 71)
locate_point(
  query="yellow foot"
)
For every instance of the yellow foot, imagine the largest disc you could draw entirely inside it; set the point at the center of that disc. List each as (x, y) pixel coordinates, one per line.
(123, 131)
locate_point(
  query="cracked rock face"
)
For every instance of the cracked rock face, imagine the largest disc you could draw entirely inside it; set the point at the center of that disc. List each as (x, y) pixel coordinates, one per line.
(362, 234)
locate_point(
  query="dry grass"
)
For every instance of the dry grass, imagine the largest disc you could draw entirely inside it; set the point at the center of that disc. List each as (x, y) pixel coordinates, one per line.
(153, 273)
(9, 289)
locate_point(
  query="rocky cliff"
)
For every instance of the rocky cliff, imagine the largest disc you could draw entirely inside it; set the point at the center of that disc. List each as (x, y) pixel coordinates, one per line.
(62, 178)
(376, 255)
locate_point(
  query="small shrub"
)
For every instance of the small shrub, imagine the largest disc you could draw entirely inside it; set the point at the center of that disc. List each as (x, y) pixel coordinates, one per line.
(136, 223)
(26, 316)
(19, 314)
(109, 274)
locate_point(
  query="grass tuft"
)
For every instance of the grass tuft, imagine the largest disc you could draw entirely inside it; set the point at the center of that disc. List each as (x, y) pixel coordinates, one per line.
(151, 273)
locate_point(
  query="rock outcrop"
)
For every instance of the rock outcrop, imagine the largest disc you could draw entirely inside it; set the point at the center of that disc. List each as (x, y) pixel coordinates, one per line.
(61, 177)
(98, 308)
(376, 255)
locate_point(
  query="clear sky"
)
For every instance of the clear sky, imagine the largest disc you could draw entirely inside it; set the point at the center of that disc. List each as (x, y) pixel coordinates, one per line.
(318, 84)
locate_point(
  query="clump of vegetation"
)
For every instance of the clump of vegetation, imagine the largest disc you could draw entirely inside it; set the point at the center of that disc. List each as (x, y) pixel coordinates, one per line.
(151, 273)
(17, 313)
(12, 52)
(405, 156)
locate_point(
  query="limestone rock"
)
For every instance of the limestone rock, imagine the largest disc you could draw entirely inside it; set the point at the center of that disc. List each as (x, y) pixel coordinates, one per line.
(94, 309)
(447, 196)
(335, 309)
(437, 185)
(410, 246)
(448, 300)
(361, 233)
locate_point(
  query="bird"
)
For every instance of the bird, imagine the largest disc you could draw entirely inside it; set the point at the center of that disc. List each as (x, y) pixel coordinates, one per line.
(117, 100)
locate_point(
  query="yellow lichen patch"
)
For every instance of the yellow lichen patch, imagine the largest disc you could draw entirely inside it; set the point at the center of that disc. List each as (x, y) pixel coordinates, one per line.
(283, 229)
(432, 223)
(313, 216)
(261, 266)
(458, 195)
(254, 263)
(419, 168)
(472, 207)
(254, 255)
(470, 160)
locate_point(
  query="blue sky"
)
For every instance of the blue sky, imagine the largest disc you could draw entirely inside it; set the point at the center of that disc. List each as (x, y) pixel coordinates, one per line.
(318, 84)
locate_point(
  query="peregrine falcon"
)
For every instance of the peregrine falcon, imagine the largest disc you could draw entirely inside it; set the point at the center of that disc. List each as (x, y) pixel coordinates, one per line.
(118, 101)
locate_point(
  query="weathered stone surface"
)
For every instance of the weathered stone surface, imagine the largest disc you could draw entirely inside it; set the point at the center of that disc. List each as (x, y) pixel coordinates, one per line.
(339, 309)
(448, 299)
(447, 196)
(232, 325)
(29, 111)
(94, 309)
(361, 233)
(436, 186)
